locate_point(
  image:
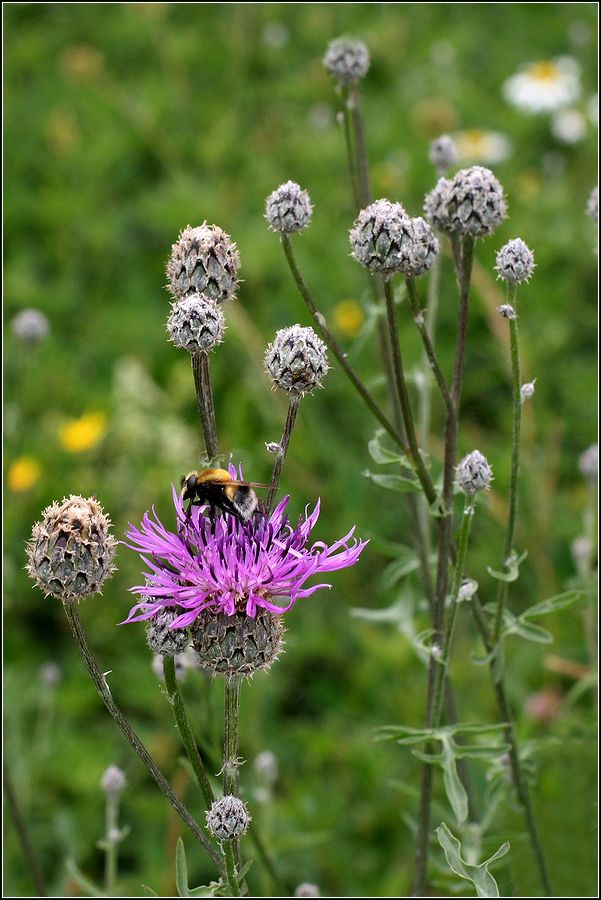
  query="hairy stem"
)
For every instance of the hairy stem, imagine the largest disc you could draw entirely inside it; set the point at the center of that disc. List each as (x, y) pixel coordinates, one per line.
(70, 607)
(231, 763)
(204, 402)
(354, 104)
(418, 318)
(18, 820)
(112, 845)
(295, 399)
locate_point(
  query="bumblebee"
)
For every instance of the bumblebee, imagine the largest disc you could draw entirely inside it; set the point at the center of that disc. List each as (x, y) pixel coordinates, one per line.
(218, 489)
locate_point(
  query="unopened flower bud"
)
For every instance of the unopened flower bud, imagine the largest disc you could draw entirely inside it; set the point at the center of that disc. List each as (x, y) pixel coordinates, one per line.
(195, 324)
(527, 390)
(288, 208)
(473, 473)
(30, 326)
(307, 890)
(274, 448)
(113, 780)
(204, 260)
(297, 360)
(588, 462)
(347, 59)
(475, 202)
(228, 818)
(266, 766)
(71, 550)
(592, 205)
(468, 589)
(443, 153)
(422, 250)
(381, 237)
(162, 638)
(507, 311)
(435, 206)
(515, 262)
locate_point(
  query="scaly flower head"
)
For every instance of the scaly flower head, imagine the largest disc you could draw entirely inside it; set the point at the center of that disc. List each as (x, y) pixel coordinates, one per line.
(230, 567)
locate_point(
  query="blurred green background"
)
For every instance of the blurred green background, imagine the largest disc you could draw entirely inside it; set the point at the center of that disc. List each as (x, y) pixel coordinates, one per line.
(126, 122)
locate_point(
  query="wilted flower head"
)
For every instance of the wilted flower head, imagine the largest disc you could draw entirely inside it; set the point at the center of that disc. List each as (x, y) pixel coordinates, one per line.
(297, 360)
(71, 550)
(196, 323)
(515, 262)
(435, 206)
(443, 153)
(592, 205)
(229, 566)
(544, 86)
(474, 473)
(288, 208)
(204, 260)
(475, 204)
(347, 59)
(381, 237)
(30, 326)
(228, 818)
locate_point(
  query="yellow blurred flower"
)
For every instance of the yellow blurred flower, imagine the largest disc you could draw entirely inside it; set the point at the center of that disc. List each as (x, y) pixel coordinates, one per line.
(479, 145)
(348, 317)
(23, 474)
(79, 435)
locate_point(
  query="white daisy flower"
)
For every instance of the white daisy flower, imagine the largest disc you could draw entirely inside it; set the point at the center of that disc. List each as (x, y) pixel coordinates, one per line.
(545, 85)
(476, 145)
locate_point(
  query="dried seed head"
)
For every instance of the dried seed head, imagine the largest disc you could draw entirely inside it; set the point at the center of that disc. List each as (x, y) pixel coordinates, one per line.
(71, 551)
(381, 237)
(288, 208)
(473, 473)
(507, 311)
(588, 462)
(347, 59)
(30, 326)
(527, 390)
(203, 260)
(196, 323)
(475, 202)
(592, 205)
(307, 890)
(297, 360)
(443, 153)
(163, 639)
(515, 262)
(422, 250)
(435, 206)
(228, 818)
(113, 781)
(237, 644)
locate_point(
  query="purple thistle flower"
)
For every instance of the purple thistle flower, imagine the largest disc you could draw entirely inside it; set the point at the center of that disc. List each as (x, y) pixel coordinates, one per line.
(229, 566)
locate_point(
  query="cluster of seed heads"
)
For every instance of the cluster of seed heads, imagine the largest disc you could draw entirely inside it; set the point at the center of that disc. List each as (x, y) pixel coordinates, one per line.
(297, 360)
(288, 208)
(347, 59)
(162, 638)
(386, 240)
(228, 818)
(472, 203)
(71, 550)
(473, 473)
(515, 262)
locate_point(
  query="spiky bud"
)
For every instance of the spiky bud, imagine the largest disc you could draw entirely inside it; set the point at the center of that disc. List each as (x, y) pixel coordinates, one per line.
(592, 205)
(588, 463)
(307, 890)
(288, 208)
(113, 781)
(475, 202)
(228, 818)
(435, 206)
(443, 153)
(381, 237)
(515, 262)
(196, 323)
(204, 260)
(527, 391)
(162, 638)
(347, 59)
(473, 473)
(71, 550)
(423, 249)
(237, 644)
(507, 311)
(30, 326)
(297, 360)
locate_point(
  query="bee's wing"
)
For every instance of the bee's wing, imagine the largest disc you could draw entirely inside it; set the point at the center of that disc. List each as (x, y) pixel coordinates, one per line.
(253, 484)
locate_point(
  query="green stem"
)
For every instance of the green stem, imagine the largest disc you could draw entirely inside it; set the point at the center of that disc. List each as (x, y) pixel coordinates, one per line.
(430, 328)
(70, 607)
(403, 394)
(295, 399)
(340, 355)
(350, 149)
(185, 730)
(230, 867)
(112, 846)
(230, 770)
(23, 834)
(204, 402)
(418, 318)
(354, 102)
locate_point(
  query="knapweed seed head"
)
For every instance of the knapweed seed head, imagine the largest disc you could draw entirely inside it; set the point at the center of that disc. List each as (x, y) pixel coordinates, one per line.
(435, 206)
(162, 638)
(474, 473)
(347, 59)
(443, 153)
(515, 262)
(228, 818)
(196, 324)
(475, 203)
(30, 326)
(113, 781)
(204, 260)
(422, 250)
(507, 311)
(231, 580)
(288, 208)
(307, 890)
(588, 463)
(592, 205)
(381, 237)
(297, 360)
(71, 550)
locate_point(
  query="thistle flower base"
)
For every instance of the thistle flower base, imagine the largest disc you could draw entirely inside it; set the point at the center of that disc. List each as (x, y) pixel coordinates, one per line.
(237, 644)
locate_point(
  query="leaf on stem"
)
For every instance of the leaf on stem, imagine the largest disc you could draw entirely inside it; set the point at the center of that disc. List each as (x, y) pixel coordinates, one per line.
(480, 877)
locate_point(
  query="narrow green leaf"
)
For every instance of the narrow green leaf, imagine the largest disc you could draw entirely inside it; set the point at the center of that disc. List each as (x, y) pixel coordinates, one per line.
(86, 884)
(512, 568)
(553, 604)
(381, 454)
(454, 789)
(480, 751)
(181, 869)
(393, 482)
(480, 877)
